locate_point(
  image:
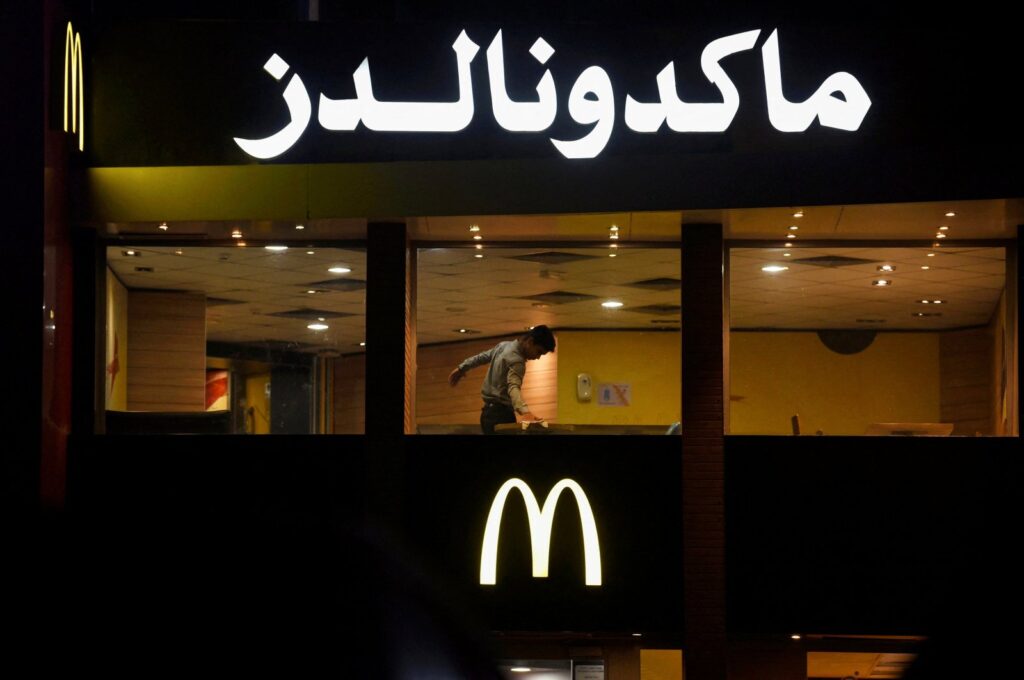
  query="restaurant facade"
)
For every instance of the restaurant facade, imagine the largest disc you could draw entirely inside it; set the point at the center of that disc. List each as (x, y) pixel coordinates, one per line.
(778, 249)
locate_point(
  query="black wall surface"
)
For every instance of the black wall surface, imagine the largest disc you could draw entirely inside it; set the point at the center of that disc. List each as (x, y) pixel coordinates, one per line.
(941, 124)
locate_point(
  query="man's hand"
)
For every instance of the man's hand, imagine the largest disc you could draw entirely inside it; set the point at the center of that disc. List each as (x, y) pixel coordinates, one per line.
(455, 376)
(528, 417)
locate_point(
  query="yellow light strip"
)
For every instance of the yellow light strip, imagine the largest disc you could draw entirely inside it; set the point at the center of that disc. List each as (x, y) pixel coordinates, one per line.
(73, 59)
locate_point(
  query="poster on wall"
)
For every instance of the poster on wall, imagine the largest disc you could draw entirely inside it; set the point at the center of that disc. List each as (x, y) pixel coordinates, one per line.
(588, 671)
(217, 388)
(614, 394)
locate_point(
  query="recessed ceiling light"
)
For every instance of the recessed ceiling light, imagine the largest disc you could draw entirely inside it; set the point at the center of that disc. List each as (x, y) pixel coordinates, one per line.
(613, 235)
(798, 214)
(479, 246)
(130, 253)
(177, 252)
(311, 292)
(612, 254)
(613, 245)
(477, 237)
(881, 282)
(300, 227)
(787, 254)
(788, 245)
(613, 228)
(163, 226)
(462, 330)
(638, 634)
(790, 235)
(310, 252)
(793, 227)
(276, 249)
(339, 270)
(321, 319)
(611, 304)
(795, 636)
(237, 233)
(886, 268)
(944, 228)
(931, 254)
(520, 669)
(362, 344)
(924, 266)
(936, 245)
(951, 214)
(940, 235)
(926, 314)
(240, 244)
(938, 302)
(478, 256)
(317, 326)
(773, 268)
(474, 228)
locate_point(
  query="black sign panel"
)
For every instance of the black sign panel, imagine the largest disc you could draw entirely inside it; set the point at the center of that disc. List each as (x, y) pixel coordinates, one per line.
(632, 486)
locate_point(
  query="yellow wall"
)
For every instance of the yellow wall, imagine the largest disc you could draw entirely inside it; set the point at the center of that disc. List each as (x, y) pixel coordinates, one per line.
(116, 390)
(256, 398)
(777, 375)
(649, 361)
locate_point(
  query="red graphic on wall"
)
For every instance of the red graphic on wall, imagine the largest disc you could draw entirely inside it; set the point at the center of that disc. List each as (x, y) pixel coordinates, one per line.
(216, 388)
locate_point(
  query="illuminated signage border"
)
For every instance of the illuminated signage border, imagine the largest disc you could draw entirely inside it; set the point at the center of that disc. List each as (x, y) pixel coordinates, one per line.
(73, 77)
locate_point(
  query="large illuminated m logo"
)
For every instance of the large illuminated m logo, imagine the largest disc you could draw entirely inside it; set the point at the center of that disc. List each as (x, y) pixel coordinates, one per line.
(540, 530)
(73, 77)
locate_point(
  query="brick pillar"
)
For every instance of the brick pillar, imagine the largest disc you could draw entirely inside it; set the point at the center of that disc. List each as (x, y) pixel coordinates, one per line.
(703, 460)
(388, 359)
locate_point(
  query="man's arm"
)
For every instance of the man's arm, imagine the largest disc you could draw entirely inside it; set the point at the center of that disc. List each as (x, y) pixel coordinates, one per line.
(472, 362)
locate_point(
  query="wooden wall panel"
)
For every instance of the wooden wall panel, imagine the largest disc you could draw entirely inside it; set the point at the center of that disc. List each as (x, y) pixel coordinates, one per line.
(350, 394)
(965, 380)
(166, 351)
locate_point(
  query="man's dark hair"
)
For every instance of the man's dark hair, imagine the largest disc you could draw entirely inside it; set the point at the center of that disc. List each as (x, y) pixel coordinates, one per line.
(541, 336)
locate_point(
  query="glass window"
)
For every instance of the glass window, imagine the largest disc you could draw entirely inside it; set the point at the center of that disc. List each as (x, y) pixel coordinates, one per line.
(870, 340)
(237, 340)
(614, 313)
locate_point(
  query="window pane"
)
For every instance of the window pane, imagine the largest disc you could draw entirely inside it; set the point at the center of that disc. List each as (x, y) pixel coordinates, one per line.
(234, 340)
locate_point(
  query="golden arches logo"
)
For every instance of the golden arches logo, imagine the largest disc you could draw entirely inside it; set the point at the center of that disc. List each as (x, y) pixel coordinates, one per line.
(74, 78)
(541, 521)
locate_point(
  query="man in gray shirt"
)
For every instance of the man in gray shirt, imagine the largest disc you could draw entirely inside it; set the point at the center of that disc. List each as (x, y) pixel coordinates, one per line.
(502, 388)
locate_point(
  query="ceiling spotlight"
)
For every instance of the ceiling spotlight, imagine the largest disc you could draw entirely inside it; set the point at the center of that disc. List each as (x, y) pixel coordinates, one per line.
(795, 636)
(477, 237)
(787, 254)
(613, 235)
(317, 326)
(479, 246)
(163, 226)
(789, 245)
(944, 228)
(276, 249)
(462, 330)
(924, 266)
(931, 254)
(362, 344)
(237, 233)
(951, 214)
(474, 228)
(940, 235)
(300, 227)
(613, 228)
(613, 245)
(311, 292)
(339, 270)
(130, 253)
(886, 268)
(793, 227)
(177, 252)
(520, 669)
(478, 256)
(240, 244)
(790, 235)
(798, 214)
(612, 254)
(881, 282)
(611, 304)
(638, 634)
(773, 268)
(310, 252)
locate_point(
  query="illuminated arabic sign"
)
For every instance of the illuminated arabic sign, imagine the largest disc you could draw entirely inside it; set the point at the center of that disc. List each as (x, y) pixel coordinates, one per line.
(540, 521)
(840, 102)
(74, 82)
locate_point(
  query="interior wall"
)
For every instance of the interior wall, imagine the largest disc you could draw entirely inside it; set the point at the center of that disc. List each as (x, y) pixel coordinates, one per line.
(966, 380)
(777, 375)
(350, 394)
(166, 351)
(116, 363)
(649, 362)
(257, 404)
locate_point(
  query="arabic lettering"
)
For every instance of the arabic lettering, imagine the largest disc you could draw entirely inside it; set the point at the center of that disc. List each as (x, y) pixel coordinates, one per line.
(840, 102)
(299, 108)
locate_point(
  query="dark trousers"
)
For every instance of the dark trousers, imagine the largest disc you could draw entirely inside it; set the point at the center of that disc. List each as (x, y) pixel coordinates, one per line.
(495, 414)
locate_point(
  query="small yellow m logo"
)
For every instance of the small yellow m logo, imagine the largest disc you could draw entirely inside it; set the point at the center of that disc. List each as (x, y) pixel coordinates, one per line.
(73, 77)
(540, 530)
